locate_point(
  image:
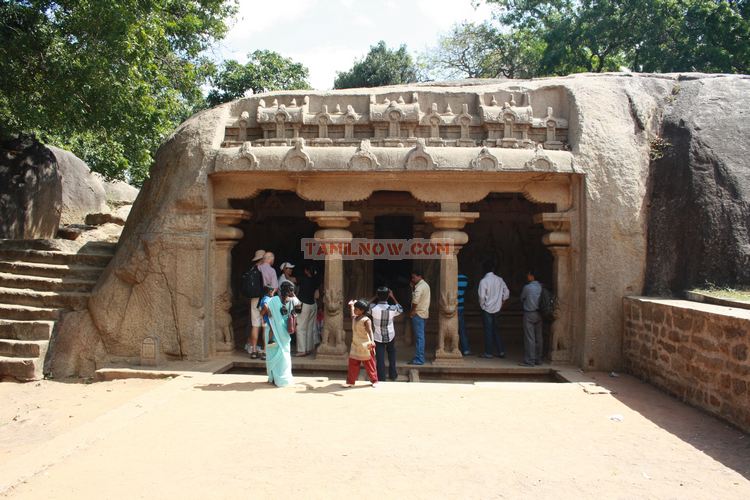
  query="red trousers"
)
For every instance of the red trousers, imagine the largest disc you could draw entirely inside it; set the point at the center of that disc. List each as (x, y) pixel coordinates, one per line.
(353, 372)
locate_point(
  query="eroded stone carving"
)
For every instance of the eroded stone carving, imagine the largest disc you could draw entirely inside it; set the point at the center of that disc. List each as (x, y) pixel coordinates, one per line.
(486, 161)
(297, 158)
(246, 153)
(540, 161)
(363, 158)
(419, 159)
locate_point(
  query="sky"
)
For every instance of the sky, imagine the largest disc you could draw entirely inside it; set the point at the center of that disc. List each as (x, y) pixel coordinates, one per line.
(328, 35)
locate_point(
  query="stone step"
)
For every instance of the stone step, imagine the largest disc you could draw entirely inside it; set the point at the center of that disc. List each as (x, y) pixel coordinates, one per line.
(42, 283)
(27, 313)
(25, 330)
(52, 257)
(23, 369)
(34, 298)
(23, 348)
(59, 245)
(60, 271)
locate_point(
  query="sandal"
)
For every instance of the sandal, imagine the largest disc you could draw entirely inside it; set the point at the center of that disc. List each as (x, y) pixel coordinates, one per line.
(254, 355)
(263, 356)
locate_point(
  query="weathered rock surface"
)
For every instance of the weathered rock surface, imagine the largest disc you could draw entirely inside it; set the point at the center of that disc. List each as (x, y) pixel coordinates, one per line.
(82, 190)
(699, 222)
(30, 190)
(119, 193)
(159, 283)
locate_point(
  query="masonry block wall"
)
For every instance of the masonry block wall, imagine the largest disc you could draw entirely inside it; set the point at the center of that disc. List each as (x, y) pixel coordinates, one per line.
(698, 352)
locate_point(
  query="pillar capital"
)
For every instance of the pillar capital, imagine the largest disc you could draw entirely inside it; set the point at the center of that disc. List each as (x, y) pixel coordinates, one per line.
(333, 219)
(224, 219)
(450, 220)
(558, 225)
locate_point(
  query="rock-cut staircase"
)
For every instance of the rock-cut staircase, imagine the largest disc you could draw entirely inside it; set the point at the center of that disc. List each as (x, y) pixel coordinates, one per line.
(39, 280)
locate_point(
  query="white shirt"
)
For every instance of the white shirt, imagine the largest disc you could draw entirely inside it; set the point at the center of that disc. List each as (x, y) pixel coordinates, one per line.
(492, 293)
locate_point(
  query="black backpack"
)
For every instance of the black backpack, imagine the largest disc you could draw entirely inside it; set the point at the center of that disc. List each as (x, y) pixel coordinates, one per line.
(252, 283)
(547, 305)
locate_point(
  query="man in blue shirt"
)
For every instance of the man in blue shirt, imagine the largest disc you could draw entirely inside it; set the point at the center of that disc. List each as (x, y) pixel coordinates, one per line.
(532, 322)
(463, 284)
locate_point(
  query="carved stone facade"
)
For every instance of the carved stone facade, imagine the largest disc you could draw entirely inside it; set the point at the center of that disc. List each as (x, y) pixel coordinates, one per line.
(503, 119)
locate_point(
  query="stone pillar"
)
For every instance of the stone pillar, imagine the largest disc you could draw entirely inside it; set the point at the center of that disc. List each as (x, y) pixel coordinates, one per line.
(448, 222)
(333, 222)
(225, 238)
(558, 242)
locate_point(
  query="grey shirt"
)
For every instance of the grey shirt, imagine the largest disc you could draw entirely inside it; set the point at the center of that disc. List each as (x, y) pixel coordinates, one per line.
(530, 296)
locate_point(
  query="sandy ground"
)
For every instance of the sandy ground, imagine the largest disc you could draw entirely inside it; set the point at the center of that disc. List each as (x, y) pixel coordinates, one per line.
(234, 436)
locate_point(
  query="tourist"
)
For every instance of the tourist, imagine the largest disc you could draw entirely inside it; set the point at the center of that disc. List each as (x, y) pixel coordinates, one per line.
(268, 293)
(309, 283)
(278, 353)
(255, 292)
(463, 337)
(269, 279)
(533, 343)
(384, 332)
(361, 351)
(420, 311)
(493, 292)
(286, 273)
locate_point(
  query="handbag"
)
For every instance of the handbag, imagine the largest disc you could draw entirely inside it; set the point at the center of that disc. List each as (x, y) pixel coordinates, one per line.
(291, 324)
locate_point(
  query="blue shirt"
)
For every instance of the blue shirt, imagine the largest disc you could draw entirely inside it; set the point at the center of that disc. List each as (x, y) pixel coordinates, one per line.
(463, 284)
(530, 296)
(263, 302)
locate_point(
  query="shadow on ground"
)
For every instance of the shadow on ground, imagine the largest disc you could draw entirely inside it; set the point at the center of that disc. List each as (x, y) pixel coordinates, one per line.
(705, 432)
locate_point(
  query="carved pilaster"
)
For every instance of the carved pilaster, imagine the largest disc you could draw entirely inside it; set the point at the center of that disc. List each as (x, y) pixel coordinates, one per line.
(558, 242)
(225, 238)
(448, 225)
(333, 224)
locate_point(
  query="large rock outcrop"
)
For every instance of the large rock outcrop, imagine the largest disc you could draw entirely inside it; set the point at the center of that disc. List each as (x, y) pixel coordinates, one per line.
(82, 190)
(699, 221)
(160, 281)
(30, 190)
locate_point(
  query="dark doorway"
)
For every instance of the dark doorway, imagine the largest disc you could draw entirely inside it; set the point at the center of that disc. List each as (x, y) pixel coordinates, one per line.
(393, 273)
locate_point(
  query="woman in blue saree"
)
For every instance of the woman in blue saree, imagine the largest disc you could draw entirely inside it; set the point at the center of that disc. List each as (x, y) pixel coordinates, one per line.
(278, 353)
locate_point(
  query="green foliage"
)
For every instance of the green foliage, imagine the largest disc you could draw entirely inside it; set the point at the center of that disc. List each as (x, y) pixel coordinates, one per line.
(644, 35)
(264, 71)
(382, 66)
(483, 51)
(107, 80)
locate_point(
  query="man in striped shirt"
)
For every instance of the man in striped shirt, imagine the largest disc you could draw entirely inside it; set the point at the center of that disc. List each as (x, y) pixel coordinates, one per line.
(384, 333)
(463, 284)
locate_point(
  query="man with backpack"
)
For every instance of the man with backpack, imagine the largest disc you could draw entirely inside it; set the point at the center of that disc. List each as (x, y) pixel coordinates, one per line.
(532, 321)
(252, 288)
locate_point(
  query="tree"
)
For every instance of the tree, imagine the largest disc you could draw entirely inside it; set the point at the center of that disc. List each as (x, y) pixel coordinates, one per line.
(644, 35)
(483, 51)
(107, 80)
(264, 71)
(381, 66)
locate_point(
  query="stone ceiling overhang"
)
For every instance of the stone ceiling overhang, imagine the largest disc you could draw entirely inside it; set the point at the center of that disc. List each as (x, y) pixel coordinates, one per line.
(300, 158)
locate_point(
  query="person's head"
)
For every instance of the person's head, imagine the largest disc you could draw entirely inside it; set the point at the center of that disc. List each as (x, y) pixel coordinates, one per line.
(530, 275)
(416, 276)
(287, 268)
(360, 307)
(286, 289)
(268, 258)
(382, 293)
(268, 290)
(488, 266)
(258, 257)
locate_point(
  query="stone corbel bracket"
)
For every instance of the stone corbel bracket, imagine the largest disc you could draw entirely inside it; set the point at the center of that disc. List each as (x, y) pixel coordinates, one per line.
(224, 219)
(558, 225)
(297, 158)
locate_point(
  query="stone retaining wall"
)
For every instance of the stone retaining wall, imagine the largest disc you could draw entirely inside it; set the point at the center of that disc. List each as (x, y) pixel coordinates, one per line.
(698, 352)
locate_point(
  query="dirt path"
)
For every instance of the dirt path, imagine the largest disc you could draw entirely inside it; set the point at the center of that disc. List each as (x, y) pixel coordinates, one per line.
(233, 436)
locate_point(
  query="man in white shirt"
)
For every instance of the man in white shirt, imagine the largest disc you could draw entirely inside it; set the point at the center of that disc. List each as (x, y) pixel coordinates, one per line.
(493, 292)
(382, 321)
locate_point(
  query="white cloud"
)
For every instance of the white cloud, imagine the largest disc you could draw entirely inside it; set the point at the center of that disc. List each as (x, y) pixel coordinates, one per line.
(327, 35)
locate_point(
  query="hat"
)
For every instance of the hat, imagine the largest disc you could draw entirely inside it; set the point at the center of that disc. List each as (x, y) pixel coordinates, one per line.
(285, 265)
(258, 255)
